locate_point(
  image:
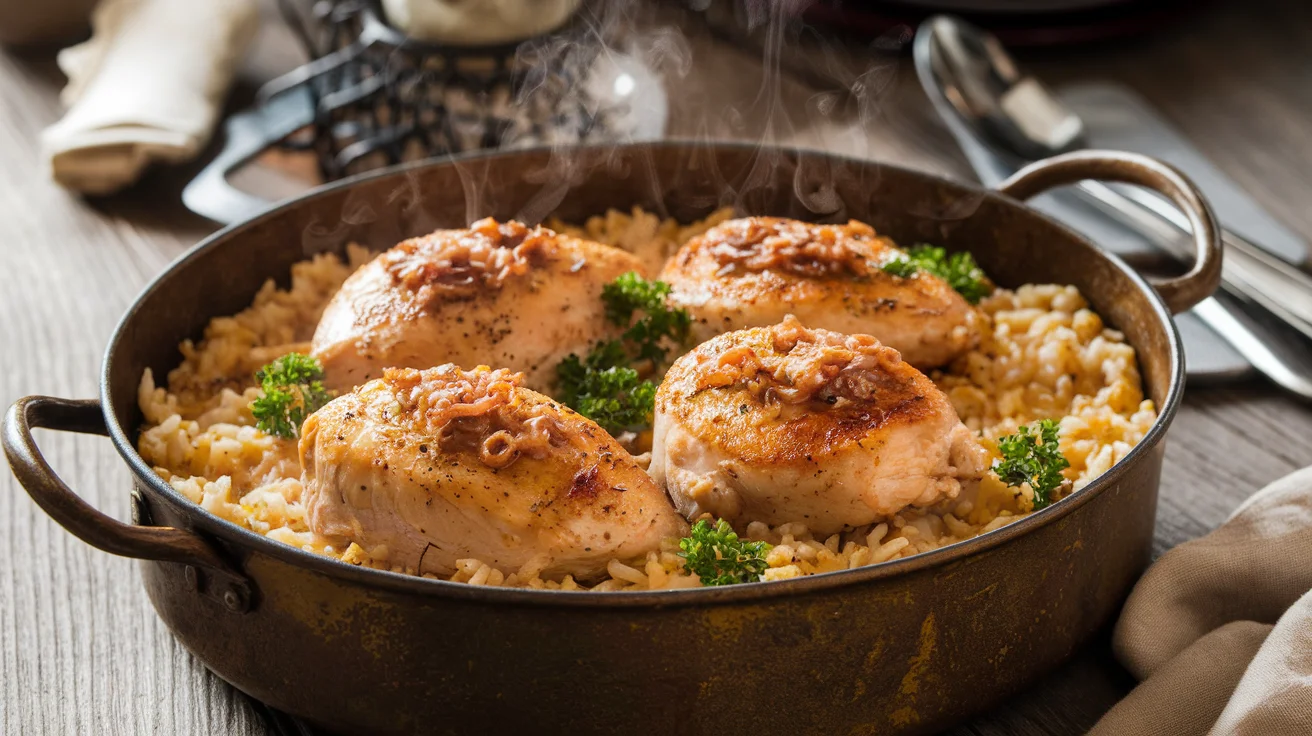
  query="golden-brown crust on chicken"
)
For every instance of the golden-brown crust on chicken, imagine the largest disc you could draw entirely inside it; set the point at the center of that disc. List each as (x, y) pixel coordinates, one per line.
(834, 390)
(750, 272)
(445, 464)
(497, 293)
(785, 423)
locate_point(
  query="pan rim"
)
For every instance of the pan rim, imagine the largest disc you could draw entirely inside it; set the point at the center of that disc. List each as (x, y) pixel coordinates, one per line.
(963, 551)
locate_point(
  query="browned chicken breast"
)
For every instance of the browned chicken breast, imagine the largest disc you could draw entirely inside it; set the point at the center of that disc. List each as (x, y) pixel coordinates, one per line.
(501, 294)
(751, 272)
(445, 464)
(784, 423)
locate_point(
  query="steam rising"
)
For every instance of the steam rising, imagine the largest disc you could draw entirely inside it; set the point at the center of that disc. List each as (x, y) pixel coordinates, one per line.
(713, 91)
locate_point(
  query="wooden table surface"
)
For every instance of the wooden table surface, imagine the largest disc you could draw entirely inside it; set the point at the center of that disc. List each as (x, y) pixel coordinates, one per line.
(81, 651)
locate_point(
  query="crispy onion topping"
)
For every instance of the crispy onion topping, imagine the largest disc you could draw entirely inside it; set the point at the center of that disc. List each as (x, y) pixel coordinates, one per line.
(482, 410)
(458, 263)
(761, 243)
(802, 365)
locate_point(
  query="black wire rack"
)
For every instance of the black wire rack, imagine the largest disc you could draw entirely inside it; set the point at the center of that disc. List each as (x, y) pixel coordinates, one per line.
(381, 97)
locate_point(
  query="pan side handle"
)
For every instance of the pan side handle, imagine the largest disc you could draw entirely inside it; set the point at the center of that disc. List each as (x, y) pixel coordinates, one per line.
(1181, 292)
(164, 544)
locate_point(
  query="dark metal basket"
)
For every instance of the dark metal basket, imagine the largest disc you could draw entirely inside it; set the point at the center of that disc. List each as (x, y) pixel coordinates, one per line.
(370, 96)
(382, 97)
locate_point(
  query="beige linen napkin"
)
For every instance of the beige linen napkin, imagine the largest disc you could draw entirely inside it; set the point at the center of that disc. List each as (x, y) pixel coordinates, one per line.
(146, 87)
(1220, 628)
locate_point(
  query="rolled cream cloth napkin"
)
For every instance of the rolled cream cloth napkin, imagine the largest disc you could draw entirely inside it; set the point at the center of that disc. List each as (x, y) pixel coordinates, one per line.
(477, 22)
(146, 87)
(1219, 630)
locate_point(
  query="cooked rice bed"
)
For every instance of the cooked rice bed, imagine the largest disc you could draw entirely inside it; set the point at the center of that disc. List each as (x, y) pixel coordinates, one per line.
(1045, 354)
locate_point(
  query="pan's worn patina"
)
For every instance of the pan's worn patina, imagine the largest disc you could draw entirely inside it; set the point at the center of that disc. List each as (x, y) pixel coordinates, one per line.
(906, 646)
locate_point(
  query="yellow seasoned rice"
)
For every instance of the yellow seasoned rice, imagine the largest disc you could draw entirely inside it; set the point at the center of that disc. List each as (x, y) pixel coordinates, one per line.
(652, 239)
(1045, 354)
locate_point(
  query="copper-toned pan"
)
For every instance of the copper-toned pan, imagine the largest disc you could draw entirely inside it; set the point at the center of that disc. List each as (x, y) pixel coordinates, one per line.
(907, 646)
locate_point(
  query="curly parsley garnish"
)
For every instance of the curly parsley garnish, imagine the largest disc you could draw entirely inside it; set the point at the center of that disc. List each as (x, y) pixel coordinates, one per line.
(958, 269)
(717, 556)
(291, 389)
(603, 388)
(632, 293)
(603, 385)
(1033, 458)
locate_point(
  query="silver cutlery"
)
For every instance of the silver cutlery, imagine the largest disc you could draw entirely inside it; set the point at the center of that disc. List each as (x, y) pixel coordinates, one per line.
(980, 92)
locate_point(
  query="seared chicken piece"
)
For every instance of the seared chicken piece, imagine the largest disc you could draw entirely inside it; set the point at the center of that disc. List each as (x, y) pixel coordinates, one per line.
(444, 464)
(501, 294)
(784, 423)
(751, 272)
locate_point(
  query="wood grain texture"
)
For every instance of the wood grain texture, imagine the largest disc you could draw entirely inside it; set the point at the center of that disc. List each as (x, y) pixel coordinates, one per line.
(81, 651)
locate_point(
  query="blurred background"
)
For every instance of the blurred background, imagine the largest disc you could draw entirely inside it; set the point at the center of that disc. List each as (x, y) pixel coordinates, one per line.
(403, 79)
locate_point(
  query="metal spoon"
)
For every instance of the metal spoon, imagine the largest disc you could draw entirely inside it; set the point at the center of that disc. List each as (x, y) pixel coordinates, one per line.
(1019, 120)
(976, 86)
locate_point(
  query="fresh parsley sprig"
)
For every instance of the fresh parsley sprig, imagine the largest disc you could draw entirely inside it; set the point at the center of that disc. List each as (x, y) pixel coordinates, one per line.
(717, 556)
(603, 388)
(603, 385)
(291, 389)
(958, 269)
(1034, 458)
(632, 293)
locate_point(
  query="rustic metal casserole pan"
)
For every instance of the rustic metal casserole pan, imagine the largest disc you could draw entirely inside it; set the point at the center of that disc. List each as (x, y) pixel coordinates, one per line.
(908, 646)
